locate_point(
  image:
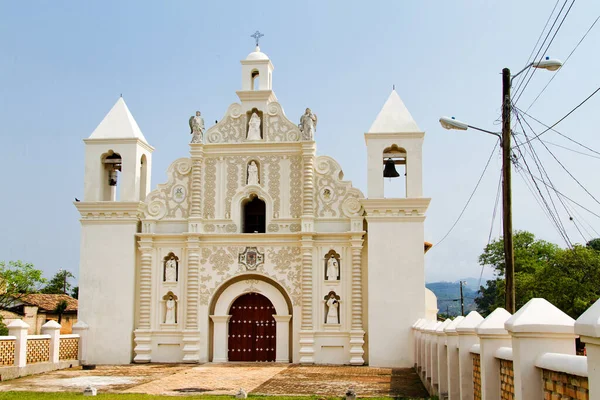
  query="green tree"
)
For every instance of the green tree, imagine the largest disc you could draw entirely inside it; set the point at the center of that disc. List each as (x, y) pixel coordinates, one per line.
(59, 284)
(18, 279)
(75, 292)
(60, 309)
(594, 244)
(531, 257)
(570, 281)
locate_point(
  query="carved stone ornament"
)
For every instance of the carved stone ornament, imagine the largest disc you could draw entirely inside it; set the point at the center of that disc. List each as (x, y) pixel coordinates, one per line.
(251, 258)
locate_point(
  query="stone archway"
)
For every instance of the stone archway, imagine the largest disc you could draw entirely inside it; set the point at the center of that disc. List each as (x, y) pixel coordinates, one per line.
(221, 316)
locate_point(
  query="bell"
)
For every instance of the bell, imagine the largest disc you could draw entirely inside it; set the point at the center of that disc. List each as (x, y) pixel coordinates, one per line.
(390, 169)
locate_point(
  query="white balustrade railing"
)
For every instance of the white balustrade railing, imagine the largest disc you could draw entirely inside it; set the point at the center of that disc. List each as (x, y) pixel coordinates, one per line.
(528, 355)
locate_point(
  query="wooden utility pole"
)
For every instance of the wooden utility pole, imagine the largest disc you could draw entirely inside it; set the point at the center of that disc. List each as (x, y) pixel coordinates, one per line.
(509, 259)
(462, 300)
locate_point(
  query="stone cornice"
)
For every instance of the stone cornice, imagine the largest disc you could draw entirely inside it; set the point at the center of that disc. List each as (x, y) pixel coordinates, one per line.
(409, 135)
(256, 95)
(395, 208)
(248, 147)
(120, 140)
(113, 211)
(263, 239)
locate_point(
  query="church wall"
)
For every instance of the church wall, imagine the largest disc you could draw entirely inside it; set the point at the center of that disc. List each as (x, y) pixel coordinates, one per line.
(107, 277)
(396, 289)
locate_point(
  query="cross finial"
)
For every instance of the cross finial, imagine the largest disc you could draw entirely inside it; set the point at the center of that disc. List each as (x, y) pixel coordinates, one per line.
(257, 35)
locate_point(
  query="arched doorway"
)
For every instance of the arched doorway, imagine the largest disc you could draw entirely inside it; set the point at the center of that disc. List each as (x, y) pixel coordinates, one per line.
(252, 330)
(222, 312)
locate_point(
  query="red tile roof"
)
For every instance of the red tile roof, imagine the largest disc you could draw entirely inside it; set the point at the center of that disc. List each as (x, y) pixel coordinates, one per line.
(49, 302)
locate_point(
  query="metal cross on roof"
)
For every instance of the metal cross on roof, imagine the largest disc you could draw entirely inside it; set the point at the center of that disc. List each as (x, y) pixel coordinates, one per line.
(257, 35)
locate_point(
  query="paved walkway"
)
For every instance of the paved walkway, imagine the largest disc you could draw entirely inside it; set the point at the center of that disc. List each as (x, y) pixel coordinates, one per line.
(257, 378)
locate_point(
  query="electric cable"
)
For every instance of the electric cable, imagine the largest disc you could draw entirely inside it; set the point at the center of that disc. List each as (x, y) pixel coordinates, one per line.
(492, 226)
(562, 119)
(555, 131)
(563, 64)
(470, 197)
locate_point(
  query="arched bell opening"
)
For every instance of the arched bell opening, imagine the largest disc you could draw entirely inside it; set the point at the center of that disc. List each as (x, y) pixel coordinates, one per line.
(112, 167)
(255, 80)
(254, 212)
(394, 172)
(143, 177)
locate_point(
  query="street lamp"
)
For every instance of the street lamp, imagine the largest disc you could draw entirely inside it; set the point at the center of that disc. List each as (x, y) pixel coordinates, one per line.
(452, 123)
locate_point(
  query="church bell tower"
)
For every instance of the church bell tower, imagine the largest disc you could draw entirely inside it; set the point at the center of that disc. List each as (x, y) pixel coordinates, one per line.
(396, 276)
(117, 179)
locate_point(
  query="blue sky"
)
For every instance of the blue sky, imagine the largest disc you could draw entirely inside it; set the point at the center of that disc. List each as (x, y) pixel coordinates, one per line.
(64, 64)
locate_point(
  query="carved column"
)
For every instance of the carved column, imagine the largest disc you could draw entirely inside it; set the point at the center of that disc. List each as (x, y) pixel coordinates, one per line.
(357, 333)
(143, 339)
(195, 220)
(307, 336)
(308, 206)
(191, 334)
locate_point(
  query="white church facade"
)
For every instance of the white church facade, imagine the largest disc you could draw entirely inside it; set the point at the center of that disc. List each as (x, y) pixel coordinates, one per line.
(255, 249)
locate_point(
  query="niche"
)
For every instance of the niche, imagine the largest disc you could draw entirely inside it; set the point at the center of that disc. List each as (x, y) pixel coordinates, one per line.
(253, 215)
(170, 268)
(170, 308)
(332, 266)
(332, 308)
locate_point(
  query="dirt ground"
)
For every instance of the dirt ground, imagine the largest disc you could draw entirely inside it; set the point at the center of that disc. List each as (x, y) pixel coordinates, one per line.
(256, 378)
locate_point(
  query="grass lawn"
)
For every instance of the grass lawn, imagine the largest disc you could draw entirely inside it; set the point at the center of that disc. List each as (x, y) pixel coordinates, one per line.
(113, 396)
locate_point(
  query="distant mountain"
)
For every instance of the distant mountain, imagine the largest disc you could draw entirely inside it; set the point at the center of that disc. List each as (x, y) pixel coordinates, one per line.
(448, 295)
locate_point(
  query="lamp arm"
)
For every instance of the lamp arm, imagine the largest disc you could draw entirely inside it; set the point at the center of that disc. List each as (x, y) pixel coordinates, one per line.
(483, 130)
(520, 72)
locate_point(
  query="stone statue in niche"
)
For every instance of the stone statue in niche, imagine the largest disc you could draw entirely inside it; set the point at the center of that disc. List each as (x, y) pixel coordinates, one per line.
(252, 173)
(170, 305)
(254, 127)
(333, 304)
(170, 274)
(197, 127)
(333, 269)
(308, 125)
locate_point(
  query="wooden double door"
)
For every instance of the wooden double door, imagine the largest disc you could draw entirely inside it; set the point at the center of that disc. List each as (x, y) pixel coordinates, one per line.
(252, 329)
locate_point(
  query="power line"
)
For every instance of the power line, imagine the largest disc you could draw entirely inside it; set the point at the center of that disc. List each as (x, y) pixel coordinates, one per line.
(542, 32)
(567, 148)
(562, 119)
(564, 63)
(568, 198)
(470, 197)
(492, 226)
(555, 131)
(552, 185)
(545, 51)
(542, 45)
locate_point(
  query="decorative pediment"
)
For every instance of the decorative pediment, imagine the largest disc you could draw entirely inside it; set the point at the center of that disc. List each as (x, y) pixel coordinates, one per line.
(171, 200)
(334, 197)
(234, 127)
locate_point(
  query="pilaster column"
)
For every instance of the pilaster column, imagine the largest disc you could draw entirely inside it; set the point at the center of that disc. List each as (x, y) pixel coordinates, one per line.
(452, 358)
(588, 327)
(191, 334)
(18, 329)
(357, 333)
(142, 337)
(492, 336)
(307, 336)
(442, 359)
(308, 191)
(195, 220)
(466, 339)
(538, 327)
(220, 337)
(81, 328)
(52, 328)
(282, 350)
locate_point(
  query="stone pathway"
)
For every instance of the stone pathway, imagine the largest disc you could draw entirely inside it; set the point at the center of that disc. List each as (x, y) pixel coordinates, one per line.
(256, 378)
